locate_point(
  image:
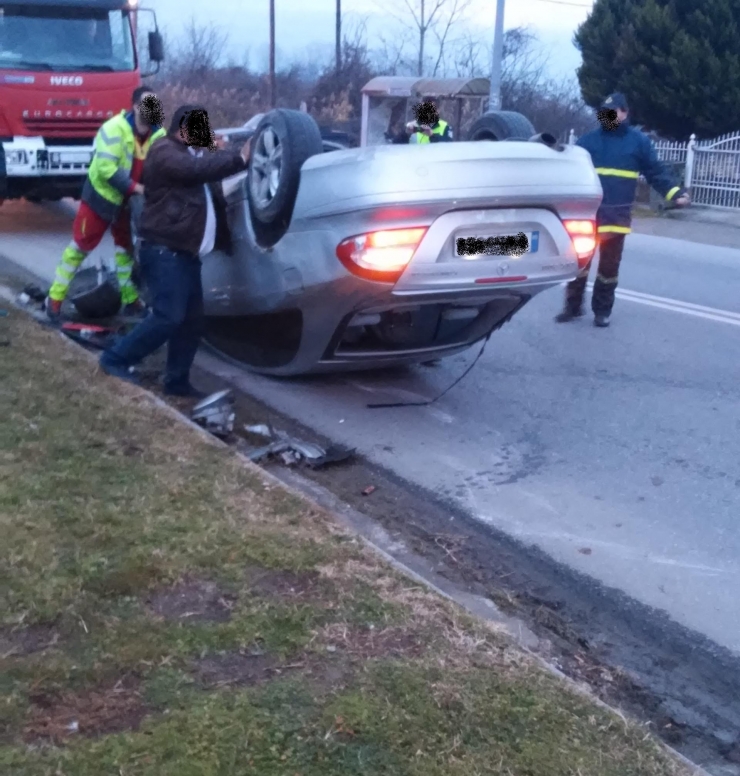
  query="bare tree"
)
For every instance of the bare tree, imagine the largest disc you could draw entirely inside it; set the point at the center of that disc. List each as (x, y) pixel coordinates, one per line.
(427, 18)
(201, 50)
(468, 54)
(390, 54)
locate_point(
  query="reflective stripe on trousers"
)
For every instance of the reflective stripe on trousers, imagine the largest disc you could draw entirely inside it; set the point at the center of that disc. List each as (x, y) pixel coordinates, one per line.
(124, 268)
(72, 257)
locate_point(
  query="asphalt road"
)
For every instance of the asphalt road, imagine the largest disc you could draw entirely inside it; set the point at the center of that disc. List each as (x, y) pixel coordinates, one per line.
(616, 451)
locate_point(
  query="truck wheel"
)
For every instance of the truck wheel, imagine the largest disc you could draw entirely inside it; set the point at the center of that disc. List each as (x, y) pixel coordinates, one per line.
(282, 142)
(501, 125)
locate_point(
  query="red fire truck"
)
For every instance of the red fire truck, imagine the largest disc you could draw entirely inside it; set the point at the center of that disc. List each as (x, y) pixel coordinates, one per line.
(65, 67)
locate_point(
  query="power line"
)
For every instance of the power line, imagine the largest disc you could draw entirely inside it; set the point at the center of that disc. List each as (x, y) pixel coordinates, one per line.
(564, 2)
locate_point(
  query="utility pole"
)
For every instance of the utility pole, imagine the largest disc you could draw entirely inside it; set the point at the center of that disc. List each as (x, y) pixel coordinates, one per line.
(339, 36)
(273, 96)
(494, 98)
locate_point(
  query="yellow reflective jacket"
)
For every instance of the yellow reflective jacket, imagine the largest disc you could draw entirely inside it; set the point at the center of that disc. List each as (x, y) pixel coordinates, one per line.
(441, 129)
(109, 177)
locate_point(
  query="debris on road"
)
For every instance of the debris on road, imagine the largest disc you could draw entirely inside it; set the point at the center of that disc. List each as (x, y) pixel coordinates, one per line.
(260, 430)
(370, 489)
(216, 413)
(32, 293)
(89, 334)
(292, 450)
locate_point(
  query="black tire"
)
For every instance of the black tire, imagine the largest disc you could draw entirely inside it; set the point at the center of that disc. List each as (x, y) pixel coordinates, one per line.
(502, 125)
(298, 137)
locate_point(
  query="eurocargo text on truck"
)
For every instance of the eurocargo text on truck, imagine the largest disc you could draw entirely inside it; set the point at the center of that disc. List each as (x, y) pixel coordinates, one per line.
(66, 66)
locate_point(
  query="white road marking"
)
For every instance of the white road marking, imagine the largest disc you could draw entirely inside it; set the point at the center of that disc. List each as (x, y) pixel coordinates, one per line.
(676, 306)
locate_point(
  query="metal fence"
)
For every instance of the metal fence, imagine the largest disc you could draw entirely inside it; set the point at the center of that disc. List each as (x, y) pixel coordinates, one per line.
(710, 168)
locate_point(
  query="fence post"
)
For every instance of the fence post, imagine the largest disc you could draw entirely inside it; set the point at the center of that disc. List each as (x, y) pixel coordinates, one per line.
(689, 171)
(571, 137)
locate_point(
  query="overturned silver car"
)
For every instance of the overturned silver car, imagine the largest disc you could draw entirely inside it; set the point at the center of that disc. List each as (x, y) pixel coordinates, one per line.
(385, 255)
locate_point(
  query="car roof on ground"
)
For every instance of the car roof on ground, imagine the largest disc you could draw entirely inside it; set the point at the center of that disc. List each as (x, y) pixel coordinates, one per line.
(403, 86)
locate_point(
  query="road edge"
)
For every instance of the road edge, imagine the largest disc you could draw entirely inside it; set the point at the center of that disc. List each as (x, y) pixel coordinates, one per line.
(379, 541)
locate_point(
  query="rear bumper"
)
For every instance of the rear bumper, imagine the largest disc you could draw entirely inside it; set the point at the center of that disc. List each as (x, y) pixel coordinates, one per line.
(35, 169)
(321, 345)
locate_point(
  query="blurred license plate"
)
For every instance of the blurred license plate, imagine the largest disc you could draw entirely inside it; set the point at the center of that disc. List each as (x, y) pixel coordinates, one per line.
(513, 245)
(79, 157)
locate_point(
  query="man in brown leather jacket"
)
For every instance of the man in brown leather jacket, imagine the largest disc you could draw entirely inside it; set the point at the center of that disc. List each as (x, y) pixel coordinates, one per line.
(184, 218)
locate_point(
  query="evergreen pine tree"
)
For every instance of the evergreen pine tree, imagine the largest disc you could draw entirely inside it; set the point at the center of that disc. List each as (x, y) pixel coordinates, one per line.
(677, 61)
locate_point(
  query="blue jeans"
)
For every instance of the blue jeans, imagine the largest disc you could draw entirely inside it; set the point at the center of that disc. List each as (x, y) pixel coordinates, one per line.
(177, 318)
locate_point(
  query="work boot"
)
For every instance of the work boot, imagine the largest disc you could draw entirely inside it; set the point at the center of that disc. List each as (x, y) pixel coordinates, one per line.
(568, 314)
(602, 321)
(53, 309)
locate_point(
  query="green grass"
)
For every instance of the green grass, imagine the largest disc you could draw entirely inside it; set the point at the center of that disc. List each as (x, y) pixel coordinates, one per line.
(189, 618)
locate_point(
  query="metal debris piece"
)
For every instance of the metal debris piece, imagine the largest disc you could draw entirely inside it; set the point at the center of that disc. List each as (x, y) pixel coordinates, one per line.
(265, 452)
(290, 457)
(370, 489)
(260, 430)
(216, 413)
(293, 451)
(89, 334)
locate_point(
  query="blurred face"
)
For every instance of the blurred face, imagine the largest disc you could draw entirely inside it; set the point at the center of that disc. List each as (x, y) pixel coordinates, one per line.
(149, 110)
(610, 119)
(426, 113)
(195, 130)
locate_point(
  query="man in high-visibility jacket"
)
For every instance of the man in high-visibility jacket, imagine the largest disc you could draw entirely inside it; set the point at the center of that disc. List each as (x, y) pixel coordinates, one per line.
(121, 146)
(620, 154)
(428, 127)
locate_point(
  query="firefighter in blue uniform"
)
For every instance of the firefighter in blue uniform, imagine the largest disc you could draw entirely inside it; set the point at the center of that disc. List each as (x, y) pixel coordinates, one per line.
(620, 154)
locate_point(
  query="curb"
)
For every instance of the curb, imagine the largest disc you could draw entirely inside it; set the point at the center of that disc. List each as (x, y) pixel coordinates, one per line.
(380, 542)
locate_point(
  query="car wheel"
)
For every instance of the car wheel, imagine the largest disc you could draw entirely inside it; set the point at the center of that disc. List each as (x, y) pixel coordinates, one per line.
(282, 142)
(502, 125)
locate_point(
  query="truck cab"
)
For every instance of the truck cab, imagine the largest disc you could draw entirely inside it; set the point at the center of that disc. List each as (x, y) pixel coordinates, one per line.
(66, 66)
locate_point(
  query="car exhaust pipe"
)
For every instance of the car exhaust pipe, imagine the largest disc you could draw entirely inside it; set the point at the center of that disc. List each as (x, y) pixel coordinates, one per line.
(549, 140)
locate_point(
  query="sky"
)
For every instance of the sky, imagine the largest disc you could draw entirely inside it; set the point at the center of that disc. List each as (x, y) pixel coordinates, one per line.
(305, 28)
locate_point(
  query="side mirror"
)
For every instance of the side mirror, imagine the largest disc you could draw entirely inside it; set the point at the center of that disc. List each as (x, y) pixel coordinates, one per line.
(156, 47)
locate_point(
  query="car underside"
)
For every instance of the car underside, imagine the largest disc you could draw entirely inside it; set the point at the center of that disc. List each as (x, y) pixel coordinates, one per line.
(371, 264)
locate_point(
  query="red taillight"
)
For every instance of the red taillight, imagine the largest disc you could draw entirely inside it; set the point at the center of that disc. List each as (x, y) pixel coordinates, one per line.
(583, 236)
(381, 255)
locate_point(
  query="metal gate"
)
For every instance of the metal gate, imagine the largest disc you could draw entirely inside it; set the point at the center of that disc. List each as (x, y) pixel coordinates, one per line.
(715, 172)
(710, 169)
